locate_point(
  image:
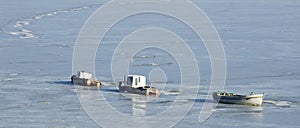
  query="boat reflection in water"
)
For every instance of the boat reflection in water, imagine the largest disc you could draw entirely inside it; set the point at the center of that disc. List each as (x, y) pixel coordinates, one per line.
(139, 103)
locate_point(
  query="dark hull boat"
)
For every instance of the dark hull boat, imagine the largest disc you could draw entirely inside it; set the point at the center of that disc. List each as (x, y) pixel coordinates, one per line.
(84, 79)
(142, 90)
(136, 84)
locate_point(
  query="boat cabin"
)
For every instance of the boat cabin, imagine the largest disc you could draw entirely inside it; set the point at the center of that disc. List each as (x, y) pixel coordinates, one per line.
(135, 81)
(84, 75)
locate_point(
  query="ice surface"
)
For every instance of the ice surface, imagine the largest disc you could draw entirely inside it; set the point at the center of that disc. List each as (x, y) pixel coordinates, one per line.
(261, 40)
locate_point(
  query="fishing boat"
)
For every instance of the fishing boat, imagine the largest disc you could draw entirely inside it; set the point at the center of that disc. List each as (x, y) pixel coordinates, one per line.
(136, 84)
(85, 79)
(230, 98)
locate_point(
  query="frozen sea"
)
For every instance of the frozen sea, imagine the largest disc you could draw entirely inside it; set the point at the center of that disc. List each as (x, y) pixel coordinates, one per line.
(260, 37)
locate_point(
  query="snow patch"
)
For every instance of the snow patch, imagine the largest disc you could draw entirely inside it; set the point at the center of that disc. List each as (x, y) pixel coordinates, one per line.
(279, 103)
(23, 32)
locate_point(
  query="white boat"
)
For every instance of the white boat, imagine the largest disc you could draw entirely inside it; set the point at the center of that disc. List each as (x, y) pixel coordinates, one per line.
(136, 84)
(85, 79)
(230, 98)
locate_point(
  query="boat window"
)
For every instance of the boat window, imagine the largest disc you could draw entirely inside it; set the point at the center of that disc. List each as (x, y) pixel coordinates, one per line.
(129, 80)
(136, 81)
(139, 79)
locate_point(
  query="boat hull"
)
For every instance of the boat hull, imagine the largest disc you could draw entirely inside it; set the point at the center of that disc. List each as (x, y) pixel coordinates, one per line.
(254, 99)
(141, 91)
(85, 82)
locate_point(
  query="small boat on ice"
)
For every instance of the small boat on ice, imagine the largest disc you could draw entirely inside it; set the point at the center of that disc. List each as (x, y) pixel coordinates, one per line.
(136, 84)
(230, 98)
(85, 79)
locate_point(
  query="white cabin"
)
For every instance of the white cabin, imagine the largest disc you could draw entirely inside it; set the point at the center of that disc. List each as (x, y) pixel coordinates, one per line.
(84, 75)
(135, 81)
